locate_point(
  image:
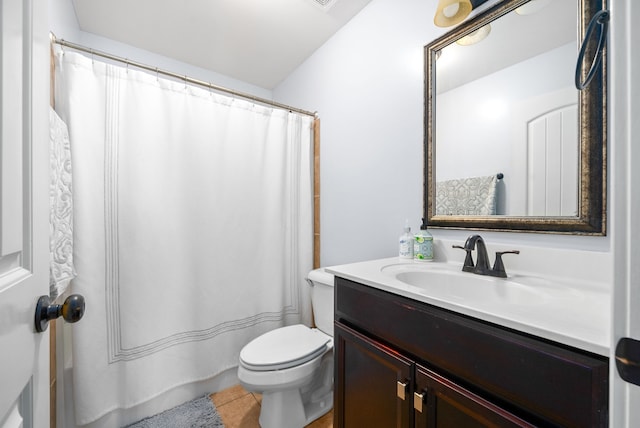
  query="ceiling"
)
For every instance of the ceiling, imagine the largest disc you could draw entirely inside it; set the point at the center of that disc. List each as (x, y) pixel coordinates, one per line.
(256, 41)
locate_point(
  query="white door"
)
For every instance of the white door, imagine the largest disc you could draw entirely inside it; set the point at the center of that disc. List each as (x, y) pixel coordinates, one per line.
(545, 155)
(625, 197)
(24, 228)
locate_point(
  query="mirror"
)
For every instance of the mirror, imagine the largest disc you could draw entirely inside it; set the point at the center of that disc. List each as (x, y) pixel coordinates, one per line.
(510, 143)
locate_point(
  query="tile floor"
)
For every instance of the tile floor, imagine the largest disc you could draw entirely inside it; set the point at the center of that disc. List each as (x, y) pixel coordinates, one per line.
(241, 409)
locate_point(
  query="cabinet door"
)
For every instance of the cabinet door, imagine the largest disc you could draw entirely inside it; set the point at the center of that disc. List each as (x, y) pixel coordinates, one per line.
(438, 402)
(373, 383)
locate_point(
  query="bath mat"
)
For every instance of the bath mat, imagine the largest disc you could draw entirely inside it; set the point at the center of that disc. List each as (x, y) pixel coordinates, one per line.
(198, 413)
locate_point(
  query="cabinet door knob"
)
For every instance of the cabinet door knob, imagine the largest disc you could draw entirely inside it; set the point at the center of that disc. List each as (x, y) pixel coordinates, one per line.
(418, 399)
(402, 389)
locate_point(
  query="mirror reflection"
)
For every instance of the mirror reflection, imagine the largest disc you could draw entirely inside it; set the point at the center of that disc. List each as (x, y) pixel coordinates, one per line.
(510, 143)
(506, 116)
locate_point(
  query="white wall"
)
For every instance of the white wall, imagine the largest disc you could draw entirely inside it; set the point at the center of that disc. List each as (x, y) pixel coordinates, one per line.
(367, 85)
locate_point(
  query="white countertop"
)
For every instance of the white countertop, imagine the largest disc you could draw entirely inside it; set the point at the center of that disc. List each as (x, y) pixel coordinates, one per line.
(575, 314)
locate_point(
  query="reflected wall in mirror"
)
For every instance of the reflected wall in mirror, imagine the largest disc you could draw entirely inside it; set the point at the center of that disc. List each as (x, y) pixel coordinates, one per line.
(510, 143)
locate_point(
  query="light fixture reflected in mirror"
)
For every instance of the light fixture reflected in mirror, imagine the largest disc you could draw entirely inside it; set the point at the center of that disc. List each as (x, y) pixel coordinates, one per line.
(451, 12)
(475, 37)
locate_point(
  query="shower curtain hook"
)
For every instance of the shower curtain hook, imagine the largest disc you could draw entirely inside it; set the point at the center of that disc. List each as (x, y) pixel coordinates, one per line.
(157, 75)
(92, 59)
(126, 60)
(185, 81)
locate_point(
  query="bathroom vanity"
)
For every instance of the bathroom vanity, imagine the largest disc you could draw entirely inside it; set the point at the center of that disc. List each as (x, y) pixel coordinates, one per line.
(410, 356)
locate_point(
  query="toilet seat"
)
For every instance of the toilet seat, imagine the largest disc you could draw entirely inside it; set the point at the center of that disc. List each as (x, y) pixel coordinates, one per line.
(284, 348)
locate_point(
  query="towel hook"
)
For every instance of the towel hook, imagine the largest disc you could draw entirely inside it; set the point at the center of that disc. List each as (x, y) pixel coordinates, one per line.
(600, 18)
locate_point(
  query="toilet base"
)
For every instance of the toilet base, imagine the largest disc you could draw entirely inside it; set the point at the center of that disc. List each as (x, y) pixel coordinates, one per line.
(284, 409)
(316, 409)
(295, 407)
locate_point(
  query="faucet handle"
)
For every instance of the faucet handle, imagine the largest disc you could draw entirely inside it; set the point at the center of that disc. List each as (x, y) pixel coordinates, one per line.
(498, 265)
(468, 260)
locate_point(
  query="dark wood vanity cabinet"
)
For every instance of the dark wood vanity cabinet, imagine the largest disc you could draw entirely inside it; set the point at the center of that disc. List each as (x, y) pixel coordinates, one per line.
(372, 376)
(403, 363)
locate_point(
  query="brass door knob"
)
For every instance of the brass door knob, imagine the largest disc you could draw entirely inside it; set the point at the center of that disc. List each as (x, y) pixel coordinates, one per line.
(71, 310)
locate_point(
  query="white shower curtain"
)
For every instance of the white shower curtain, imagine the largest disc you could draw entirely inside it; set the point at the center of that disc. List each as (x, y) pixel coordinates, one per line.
(193, 229)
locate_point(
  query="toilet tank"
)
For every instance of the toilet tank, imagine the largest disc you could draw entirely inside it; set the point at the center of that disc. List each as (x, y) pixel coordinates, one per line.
(322, 299)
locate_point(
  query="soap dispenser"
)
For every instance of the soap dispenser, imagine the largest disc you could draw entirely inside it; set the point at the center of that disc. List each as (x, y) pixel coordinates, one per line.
(423, 244)
(406, 242)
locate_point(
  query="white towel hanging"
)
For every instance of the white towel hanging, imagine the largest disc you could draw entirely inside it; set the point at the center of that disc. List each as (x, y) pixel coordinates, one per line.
(61, 270)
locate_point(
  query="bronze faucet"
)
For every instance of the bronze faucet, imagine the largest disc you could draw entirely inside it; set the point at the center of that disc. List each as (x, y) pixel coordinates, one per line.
(481, 267)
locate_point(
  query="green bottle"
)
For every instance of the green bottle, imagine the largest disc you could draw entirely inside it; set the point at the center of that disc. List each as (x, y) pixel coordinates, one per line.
(423, 244)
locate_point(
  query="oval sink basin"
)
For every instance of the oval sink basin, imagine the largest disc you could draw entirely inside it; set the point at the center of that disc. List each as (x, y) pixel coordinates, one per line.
(447, 283)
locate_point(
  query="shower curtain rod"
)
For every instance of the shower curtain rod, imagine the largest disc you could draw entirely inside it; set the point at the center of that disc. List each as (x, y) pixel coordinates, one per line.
(183, 77)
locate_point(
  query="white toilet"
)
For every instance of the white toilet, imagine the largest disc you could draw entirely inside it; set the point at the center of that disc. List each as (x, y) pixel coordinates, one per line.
(292, 367)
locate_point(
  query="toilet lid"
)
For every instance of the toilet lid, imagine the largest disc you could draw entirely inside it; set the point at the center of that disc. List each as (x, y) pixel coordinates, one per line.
(283, 348)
